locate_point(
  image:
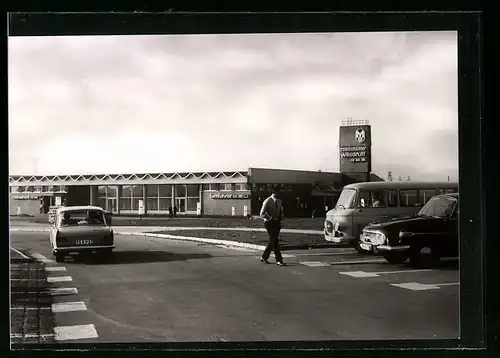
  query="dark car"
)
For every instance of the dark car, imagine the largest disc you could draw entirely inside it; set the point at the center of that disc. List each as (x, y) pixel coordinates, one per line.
(81, 229)
(433, 232)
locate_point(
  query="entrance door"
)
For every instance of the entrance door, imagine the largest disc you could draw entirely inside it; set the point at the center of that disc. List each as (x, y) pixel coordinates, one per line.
(111, 205)
(181, 205)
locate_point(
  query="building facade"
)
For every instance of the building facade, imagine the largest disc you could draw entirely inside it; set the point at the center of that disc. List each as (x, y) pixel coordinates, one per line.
(237, 193)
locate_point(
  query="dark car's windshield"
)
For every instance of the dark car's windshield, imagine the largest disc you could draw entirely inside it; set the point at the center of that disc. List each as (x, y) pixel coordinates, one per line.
(346, 199)
(81, 217)
(439, 207)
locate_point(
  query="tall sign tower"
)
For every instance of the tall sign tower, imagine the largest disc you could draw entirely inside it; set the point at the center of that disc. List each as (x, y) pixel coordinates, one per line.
(355, 142)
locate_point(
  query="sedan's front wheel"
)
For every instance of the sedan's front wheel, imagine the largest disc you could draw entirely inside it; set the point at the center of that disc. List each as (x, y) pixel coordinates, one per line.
(396, 257)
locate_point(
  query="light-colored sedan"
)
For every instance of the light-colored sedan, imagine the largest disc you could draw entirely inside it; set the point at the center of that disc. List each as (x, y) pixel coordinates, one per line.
(81, 229)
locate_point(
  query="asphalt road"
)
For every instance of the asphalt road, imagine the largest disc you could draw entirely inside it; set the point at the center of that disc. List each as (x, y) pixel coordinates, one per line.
(157, 290)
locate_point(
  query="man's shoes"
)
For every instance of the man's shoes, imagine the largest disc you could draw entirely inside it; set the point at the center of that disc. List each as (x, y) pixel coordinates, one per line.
(264, 260)
(280, 264)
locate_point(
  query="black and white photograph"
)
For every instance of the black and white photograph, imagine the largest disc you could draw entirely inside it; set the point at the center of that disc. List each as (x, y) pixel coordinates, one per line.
(243, 187)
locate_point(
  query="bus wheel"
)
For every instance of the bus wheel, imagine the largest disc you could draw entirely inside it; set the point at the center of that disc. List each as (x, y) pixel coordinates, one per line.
(396, 257)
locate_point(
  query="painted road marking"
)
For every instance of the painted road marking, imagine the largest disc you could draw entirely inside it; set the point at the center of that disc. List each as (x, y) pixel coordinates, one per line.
(68, 307)
(19, 253)
(63, 291)
(59, 279)
(51, 292)
(326, 253)
(363, 274)
(27, 279)
(314, 263)
(415, 286)
(41, 258)
(30, 308)
(55, 268)
(66, 333)
(359, 274)
(379, 261)
(31, 335)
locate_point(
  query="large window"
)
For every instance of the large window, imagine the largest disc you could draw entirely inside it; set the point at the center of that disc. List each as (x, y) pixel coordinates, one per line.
(228, 186)
(180, 191)
(215, 186)
(193, 196)
(240, 186)
(130, 196)
(107, 197)
(126, 198)
(193, 190)
(159, 197)
(192, 204)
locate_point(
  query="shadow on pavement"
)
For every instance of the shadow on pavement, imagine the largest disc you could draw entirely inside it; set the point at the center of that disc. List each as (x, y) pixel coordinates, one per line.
(448, 264)
(136, 257)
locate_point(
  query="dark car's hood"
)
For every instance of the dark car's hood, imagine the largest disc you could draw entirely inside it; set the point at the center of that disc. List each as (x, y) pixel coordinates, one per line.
(408, 223)
(85, 230)
(394, 219)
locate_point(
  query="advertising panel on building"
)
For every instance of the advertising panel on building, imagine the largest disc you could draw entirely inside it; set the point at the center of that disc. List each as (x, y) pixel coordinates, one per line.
(355, 149)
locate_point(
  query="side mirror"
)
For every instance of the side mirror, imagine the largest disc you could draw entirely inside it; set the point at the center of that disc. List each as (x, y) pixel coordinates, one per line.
(108, 216)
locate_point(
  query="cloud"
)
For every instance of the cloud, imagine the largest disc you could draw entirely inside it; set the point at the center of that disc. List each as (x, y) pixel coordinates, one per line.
(213, 102)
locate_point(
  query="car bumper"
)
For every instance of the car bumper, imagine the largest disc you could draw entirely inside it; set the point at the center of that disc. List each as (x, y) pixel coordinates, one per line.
(340, 239)
(83, 248)
(387, 248)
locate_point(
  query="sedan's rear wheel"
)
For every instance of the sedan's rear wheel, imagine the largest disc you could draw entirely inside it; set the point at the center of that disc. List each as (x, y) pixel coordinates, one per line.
(59, 257)
(104, 254)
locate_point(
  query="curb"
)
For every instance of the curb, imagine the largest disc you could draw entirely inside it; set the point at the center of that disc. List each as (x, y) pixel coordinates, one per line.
(197, 239)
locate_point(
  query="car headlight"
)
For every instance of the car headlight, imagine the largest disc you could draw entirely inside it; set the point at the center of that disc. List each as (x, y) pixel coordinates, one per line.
(373, 237)
(379, 238)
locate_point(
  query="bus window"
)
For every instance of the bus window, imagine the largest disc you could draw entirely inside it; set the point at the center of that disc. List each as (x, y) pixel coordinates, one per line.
(392, 198)
(408, 198)
(378, 199)
(372, 199)
(364, 199)
(424, 195)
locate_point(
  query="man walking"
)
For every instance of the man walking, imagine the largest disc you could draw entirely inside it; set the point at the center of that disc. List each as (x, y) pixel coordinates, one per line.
(272, 213)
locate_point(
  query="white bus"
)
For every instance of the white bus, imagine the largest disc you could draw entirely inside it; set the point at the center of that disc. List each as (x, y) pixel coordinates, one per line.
(360, 204)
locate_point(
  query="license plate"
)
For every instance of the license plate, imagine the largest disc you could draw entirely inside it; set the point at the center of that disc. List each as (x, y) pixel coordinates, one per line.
(84, 242)
(366, 247)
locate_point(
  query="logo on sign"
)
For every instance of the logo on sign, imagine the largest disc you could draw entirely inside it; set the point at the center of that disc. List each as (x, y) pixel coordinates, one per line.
(360, 136)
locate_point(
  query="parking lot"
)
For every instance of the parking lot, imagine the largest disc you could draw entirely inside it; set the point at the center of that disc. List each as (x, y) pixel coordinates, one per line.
(157, 290)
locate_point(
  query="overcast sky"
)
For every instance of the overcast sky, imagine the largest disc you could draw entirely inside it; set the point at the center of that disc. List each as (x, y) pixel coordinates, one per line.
(124, 104)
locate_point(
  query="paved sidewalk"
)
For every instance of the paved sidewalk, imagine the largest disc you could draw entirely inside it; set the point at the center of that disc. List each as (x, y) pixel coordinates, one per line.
(31, 319)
